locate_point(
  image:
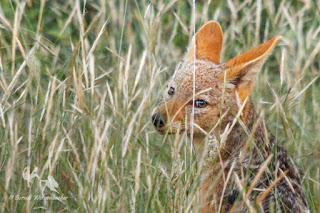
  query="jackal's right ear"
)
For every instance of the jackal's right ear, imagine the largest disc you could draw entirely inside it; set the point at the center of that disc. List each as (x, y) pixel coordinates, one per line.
(208, 43)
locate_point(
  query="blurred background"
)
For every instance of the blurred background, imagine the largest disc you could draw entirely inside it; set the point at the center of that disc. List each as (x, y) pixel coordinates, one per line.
(79, 81)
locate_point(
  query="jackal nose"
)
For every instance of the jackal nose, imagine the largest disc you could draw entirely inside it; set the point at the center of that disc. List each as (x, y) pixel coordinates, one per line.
(158, 121)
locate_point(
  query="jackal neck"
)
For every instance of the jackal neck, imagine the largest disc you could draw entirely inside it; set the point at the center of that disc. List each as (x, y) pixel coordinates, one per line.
(212, 148)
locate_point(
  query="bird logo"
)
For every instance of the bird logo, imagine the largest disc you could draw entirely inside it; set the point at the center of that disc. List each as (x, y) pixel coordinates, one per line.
(51, 183)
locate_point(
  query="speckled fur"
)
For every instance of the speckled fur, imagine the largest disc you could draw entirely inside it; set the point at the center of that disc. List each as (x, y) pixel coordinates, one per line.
(177, 109)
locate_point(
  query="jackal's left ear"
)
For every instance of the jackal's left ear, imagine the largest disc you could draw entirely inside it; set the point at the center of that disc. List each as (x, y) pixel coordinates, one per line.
(243, 69)
(208, 41)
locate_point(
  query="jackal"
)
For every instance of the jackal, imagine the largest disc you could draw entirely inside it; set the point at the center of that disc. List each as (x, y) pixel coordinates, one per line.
(210, 101)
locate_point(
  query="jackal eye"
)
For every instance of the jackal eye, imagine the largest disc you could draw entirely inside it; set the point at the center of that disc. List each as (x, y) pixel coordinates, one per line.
(200, 103)
(171, 91)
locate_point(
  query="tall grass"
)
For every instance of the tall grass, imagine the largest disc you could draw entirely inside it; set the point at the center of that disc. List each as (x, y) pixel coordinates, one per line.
(79, 81)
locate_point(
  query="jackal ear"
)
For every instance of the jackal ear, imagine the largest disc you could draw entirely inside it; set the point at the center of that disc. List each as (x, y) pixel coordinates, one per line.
(243, 69)
(208, 41)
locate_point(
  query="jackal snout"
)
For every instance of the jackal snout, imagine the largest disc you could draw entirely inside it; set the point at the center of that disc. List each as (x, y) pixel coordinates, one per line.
(158, 120)
(167, 115)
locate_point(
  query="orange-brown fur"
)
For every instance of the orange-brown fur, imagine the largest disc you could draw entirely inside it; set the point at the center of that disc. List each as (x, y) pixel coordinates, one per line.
(202, 68)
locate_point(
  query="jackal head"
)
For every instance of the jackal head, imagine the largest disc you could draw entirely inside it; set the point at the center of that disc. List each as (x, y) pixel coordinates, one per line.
(204, 91)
